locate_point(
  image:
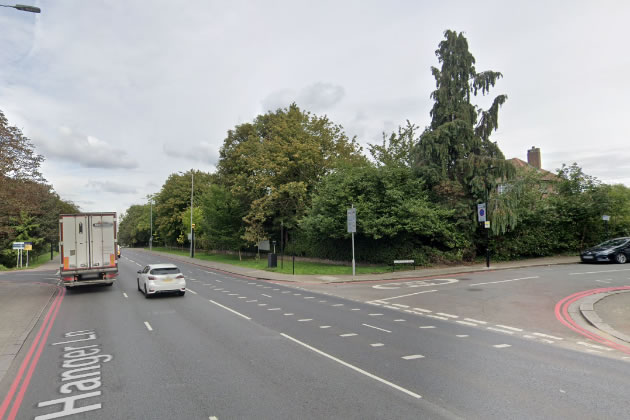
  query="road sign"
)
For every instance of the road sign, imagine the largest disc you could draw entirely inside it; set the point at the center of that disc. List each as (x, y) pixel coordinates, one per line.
(352, 220)
(605, 218)
(18, 245)
(481, 212)
(487, 224)
(28, 246)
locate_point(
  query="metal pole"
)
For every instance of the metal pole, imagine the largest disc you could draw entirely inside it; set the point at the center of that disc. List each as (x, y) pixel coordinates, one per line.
(353, 266)
(27, 258)
(487, 229)
(17, 261)
(281, 245)
(51, 251)
(192, 188)
(151, 237)
(294, 265)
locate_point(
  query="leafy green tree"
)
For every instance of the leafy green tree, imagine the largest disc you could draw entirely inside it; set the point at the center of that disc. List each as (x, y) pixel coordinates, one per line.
(223, 219)
(396, 150)
(18, 159)
(456, 147)
(393, 208)
(173, 199)
(273, 164)
(135, 225)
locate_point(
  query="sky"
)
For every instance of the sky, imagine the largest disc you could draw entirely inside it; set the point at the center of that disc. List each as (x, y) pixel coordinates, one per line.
(118, 95)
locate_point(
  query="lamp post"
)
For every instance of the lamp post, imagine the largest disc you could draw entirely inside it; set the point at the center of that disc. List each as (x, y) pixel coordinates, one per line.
(486, 225)
(192, 227)
(24, 8)
(151, 236)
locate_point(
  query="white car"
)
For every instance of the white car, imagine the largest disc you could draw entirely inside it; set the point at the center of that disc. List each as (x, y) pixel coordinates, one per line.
(161, 278)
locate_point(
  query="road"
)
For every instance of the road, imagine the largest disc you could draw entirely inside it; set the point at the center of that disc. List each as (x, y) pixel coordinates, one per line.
(235, 347)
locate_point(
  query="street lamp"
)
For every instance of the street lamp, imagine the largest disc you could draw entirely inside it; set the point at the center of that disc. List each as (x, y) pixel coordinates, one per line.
(192, 227)
(487, 227)
(24, 8)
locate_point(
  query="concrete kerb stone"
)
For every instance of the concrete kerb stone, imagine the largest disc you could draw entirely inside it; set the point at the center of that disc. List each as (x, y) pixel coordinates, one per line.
(587, 309)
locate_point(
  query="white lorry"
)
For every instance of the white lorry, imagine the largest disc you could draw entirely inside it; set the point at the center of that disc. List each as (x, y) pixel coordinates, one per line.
(88, 249)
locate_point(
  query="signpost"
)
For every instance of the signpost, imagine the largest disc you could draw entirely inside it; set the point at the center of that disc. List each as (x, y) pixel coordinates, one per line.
(481, 212)
(606, 219)
(20, 248)
(352, 228)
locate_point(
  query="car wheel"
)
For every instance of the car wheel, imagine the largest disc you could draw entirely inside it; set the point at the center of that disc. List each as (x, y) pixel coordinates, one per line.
(139, 289)
(146, 295)
(621, 258)
(109, 284)
(181, 293)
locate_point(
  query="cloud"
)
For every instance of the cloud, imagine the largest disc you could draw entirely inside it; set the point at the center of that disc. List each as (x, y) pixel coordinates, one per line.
(316, 97)
(111, 187)
(85, 150)
(199, 152)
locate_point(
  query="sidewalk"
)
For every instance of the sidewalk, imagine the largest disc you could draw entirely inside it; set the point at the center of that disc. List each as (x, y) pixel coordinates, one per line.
(21, 305)
(609, 312)
(397, 275)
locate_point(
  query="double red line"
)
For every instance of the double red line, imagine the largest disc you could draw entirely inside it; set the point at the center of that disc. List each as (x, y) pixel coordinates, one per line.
(562, 314)
(30, 361)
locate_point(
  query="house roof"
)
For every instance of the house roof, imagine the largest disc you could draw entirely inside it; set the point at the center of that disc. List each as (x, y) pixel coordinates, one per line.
(546, 175)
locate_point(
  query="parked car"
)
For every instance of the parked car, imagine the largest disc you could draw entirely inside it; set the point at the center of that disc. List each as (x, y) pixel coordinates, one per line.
(617, 250)
(161, 278)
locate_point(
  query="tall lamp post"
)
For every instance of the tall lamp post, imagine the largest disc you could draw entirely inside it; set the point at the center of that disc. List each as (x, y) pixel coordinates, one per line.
(487, 224)
(151, 236)
(192, 227)
(23, 8)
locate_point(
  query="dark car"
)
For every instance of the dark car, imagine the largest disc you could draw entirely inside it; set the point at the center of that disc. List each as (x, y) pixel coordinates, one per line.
(617, 250)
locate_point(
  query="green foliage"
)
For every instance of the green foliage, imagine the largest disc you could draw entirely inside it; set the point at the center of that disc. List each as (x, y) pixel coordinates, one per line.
(222, 219)
(135, 225)
(273, 164)
(173, 200)
(396, 149)
(394, 214)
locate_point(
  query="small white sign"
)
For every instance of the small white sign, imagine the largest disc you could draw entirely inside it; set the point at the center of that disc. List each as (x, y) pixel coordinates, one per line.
(605, 218)
(481, 212)
(18, 245)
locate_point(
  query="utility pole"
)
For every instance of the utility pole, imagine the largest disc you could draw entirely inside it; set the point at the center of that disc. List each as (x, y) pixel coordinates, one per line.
(192, 230)
(151, 236)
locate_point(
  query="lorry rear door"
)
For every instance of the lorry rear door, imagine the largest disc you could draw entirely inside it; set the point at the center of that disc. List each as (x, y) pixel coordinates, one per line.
(75, 242)
(102, 240)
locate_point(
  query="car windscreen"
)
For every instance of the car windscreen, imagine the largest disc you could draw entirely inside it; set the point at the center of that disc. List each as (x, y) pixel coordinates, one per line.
(166, 270)
(613, 243)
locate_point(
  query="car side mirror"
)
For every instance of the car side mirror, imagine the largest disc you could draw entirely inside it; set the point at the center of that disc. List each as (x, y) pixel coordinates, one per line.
(139, 271)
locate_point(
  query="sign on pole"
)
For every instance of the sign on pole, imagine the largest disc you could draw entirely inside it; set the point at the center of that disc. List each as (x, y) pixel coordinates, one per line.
(352, 228)
(18, 245)
(28, 246)
(481, 212)
(352, 220)
(605, 218)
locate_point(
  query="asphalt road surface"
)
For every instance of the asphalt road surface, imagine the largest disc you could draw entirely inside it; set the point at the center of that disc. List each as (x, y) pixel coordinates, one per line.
(235, 348)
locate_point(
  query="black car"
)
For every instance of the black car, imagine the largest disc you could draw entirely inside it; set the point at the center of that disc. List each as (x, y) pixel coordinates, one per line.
(617, 250)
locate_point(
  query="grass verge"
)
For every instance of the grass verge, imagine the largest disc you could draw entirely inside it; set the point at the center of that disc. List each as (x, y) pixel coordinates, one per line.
(301, 267)
(32, 263)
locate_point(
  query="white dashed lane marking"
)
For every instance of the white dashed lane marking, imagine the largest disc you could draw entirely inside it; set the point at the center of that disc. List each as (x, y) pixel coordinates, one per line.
(500, 330)
(192, 291)
(501, 346)
(509, 328)
(377, 344)
(348, 335)
(305, 320)
(146, 324)
(376, 328)
(462, 335)
(446, 315)
(325, 326)
(475, 320)
(505, 281)
(413, 356)
(427, 326)
(125, 295)
(265, 295)
(467, 323)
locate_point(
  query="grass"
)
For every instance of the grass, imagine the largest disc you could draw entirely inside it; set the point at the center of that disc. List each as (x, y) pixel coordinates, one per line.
(32, 263)
(301, 267)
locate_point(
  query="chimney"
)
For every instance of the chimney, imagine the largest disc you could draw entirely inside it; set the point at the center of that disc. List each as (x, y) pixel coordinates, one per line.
(533, 157)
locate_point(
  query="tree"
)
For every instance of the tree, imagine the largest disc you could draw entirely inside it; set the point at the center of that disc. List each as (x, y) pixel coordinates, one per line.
(135, 225)
(395, 217)
(223, 219)
(273, 164)
(396, 149)
(173, 199)
(456, 146)
(18, 159)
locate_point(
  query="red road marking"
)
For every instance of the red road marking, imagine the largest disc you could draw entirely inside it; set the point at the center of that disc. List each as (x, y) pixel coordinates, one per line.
(562, 315)
(46, 325)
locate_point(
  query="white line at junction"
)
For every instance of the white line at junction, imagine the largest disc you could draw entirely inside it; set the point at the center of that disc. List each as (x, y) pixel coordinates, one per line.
(505, 281)
(356, 369)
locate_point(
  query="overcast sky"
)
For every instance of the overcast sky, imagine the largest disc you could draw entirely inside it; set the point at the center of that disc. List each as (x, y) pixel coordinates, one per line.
(117, 95)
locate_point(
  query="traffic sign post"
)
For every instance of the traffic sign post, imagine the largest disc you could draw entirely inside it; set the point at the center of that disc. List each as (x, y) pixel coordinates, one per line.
(481, 212)
(352, 228)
